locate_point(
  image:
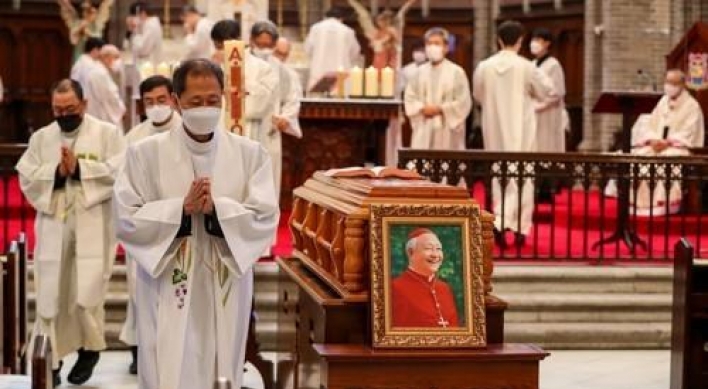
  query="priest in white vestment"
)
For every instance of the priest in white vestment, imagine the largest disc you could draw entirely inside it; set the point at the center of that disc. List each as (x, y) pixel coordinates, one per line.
(145, 33)
(675, 125)
(67, 174)
(437, 99)
(198, 39)
(195, 207)
(506, 85)
(156, 98)
(330, 45)
(88, 61)
(102, 94)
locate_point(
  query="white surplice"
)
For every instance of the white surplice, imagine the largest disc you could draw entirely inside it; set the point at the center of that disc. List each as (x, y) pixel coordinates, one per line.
(146, 42)
(128, 333)
(330, 45)
(447, 86)
(103, 97)
(506, 85)
(198, 43)
(75, 246)
(81, 69)
(194, 293)
(684, 119)
(550, 112)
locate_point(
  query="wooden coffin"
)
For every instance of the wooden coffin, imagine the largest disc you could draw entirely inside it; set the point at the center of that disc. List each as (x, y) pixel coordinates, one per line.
(330, 225)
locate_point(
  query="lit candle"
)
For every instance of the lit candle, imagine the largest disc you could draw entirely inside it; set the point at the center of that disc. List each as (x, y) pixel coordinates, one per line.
(356, 82)
(387, 82)
(163, 69)
(234, 79)
(371, 82)
(147, 70)
(341, 77)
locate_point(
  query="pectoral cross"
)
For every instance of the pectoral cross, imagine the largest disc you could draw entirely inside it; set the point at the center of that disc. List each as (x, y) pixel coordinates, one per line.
(443, 323)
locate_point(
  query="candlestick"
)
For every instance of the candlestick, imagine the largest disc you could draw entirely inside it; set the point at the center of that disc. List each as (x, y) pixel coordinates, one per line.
(234, 79)
(371, 82)
(387, 82)
(356, 82)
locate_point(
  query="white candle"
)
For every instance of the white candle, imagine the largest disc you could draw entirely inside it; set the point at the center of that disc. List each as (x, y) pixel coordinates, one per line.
(341, 77)
(387, 82)
(371, 82)
(163, 69)
(356, 82)
(147, 70)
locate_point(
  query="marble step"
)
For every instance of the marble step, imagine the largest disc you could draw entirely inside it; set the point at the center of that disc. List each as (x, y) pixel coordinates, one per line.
(591, 335)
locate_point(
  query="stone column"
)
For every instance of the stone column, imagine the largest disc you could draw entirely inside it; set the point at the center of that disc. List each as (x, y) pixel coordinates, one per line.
(483, 30)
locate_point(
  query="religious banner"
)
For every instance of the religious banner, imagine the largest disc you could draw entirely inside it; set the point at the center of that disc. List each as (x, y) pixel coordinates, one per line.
(426, 276)
(697, 71)
(234, 81)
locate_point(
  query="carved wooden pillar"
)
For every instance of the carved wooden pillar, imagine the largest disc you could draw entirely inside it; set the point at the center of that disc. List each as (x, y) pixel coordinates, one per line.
(354, 264)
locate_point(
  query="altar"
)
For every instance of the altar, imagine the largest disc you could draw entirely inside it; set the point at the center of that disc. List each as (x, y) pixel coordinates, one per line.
(336, 133)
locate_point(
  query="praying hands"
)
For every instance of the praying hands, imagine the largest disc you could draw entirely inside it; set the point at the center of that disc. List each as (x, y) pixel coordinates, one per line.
(67, 165)
(198, 199)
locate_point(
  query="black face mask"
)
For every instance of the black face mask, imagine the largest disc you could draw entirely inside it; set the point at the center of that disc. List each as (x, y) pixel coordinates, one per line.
(69, 123)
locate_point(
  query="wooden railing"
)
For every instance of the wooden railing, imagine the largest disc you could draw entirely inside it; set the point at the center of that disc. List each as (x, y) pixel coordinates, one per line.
(14, 309)
(580, 214)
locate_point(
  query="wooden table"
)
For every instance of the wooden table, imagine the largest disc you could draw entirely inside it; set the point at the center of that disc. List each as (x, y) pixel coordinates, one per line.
(499, 366)
(336, 133)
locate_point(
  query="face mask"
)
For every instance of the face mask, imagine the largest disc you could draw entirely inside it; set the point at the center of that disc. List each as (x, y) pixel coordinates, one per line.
(419, 57)
(201, 120)
(158, 113)
(672, 90)
(434, 52)
(69, 123)
(117, 66)
(536, 47)
(262, 53)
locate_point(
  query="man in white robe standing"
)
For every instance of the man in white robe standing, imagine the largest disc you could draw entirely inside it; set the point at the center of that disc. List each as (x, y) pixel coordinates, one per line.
(261, 81)
(195, 207)
(551, 116)
(88, 61)
(437, 99)
(330, 45)
(198, 38)
(67, 174)
(156, 98)
(507, 85)
(102, 94)
(145, 33)
(675, 125)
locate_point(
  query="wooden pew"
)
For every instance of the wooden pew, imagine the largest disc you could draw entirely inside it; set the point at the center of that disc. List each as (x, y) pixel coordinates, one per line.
(14, 308)
(42, 363)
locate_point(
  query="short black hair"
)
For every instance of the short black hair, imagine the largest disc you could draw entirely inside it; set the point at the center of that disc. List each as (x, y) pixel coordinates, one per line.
(542, 33)
(139, 6)
(225, 30)
(154, 82)
(68, 85)
(265, 27)
(335, 12)
(195, 67)
(92, 44)
(510, 32)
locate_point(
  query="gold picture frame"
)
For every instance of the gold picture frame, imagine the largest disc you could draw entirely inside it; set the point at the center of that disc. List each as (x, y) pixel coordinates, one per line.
(433, 296)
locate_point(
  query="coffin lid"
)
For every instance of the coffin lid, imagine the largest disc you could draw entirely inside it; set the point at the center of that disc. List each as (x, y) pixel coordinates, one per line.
(352, 196)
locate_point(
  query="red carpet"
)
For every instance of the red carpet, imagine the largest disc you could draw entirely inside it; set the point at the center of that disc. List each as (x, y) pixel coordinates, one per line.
(572, 237)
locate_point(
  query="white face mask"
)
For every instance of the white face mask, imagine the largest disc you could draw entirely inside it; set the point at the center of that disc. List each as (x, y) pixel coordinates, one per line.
(117, 66)
(672, 90)
(262, 53)
(201, 120)
(536, 47)
(419, 57)
(434, 52)
(158, 113)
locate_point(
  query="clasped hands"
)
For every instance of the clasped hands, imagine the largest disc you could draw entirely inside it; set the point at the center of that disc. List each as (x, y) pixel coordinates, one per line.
(430, 111)
(280, 123)
(198, 199)
(658, 145)
(68, 162)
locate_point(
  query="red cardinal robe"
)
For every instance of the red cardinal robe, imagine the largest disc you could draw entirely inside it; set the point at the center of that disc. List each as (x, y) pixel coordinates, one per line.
(413, 302)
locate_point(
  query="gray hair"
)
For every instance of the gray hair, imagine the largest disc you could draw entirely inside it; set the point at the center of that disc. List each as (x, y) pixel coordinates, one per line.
(265, 27)
(439, 31)
(411, 244)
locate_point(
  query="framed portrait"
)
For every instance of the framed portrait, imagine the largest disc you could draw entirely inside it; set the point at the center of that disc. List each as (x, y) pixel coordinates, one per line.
(426, 276)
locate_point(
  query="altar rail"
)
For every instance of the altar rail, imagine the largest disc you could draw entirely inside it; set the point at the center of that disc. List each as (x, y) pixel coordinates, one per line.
(566, 227)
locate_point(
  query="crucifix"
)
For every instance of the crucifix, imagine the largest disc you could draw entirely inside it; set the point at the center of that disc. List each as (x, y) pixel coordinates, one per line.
(443, 323)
